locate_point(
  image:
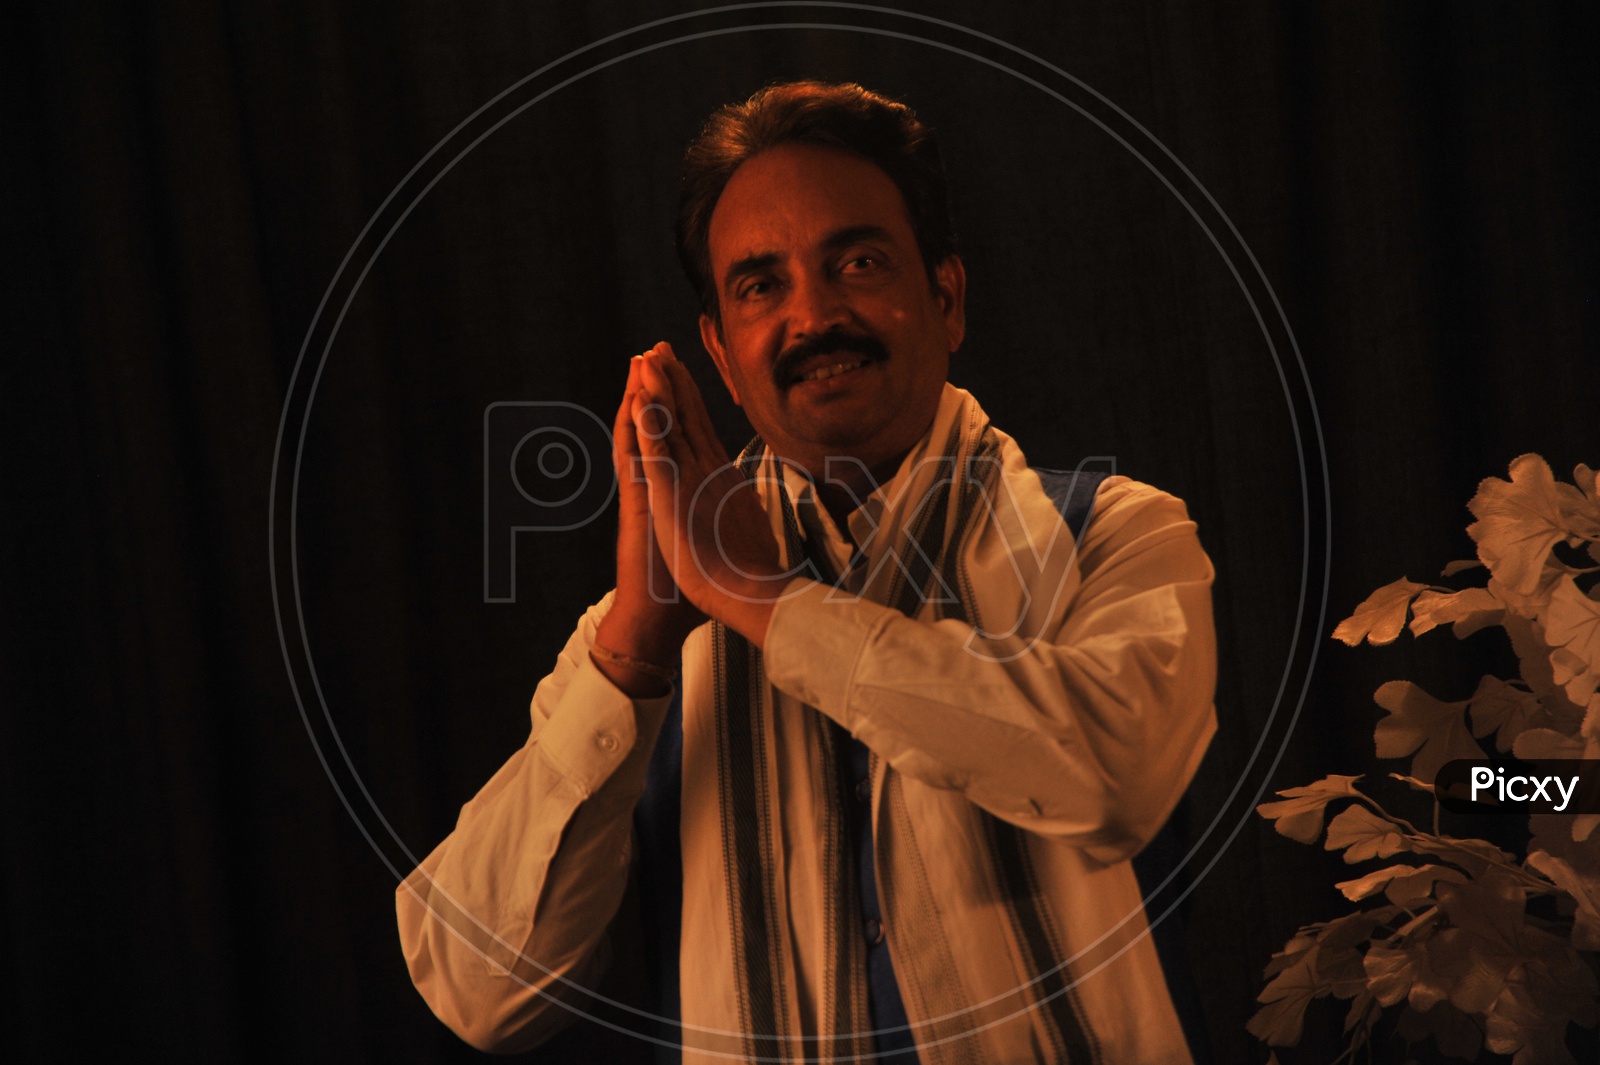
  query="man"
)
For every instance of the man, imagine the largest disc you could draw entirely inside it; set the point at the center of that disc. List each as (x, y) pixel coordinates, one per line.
(905, 765)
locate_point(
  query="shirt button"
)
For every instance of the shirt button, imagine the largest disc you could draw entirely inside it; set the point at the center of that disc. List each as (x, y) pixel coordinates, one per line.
(864, 790)
(874, 930)
(607, 741)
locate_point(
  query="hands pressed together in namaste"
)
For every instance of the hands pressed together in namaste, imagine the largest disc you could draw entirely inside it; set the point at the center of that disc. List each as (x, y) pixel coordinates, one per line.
(693, 541)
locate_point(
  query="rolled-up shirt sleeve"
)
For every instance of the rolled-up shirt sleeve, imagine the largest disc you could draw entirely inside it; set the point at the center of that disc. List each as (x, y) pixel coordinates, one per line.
(1089, 734)
(506, 919)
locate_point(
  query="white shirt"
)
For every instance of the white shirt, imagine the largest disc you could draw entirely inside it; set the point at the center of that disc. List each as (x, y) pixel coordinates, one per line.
(1088, 749)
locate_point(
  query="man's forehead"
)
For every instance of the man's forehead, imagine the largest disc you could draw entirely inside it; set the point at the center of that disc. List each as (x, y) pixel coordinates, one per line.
(800, 196)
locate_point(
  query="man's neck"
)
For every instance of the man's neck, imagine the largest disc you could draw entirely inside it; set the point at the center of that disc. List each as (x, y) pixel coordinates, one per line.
(843, 482)
(844, 486)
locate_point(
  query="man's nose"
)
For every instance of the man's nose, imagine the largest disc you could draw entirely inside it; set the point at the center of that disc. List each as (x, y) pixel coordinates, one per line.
(817, 304)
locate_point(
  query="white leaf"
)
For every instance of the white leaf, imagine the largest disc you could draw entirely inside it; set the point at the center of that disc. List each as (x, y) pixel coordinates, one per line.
(1417, 721)
(1380, 616)
(1519, 521)
(1469, 609)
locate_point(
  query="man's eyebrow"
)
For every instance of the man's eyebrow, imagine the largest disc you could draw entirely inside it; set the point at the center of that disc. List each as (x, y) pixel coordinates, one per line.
(841, 238)
(759, 262)
(750, 264)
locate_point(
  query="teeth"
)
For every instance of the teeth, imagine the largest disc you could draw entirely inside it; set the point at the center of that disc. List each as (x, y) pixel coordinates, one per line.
(822, 373)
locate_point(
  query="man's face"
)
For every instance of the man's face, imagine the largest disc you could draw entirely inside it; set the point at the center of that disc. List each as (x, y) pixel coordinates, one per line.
(832, 339)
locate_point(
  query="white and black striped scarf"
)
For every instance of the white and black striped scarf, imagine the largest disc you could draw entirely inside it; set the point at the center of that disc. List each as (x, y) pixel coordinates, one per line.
(773, 964)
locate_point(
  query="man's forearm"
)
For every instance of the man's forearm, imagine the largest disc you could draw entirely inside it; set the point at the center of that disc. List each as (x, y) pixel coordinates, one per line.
(1087, 735)
(514, 904)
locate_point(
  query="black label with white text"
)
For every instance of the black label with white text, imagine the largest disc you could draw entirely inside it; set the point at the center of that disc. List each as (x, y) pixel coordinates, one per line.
(1554, 786)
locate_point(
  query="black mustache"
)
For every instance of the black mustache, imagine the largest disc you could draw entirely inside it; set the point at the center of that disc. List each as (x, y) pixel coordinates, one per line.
(789, 363)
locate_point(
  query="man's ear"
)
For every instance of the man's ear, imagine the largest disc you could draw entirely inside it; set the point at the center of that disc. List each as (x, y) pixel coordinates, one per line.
(950, 289)
(711, 337)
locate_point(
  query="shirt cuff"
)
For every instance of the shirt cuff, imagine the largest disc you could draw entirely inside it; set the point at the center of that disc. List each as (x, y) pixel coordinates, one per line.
(816, 636)
(594, 728)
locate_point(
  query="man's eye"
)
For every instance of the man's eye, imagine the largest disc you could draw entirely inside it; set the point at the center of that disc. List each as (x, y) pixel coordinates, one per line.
(859, 263)
(755, 288)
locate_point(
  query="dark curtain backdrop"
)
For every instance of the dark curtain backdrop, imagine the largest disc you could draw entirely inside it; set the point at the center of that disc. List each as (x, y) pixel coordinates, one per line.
(204, 820)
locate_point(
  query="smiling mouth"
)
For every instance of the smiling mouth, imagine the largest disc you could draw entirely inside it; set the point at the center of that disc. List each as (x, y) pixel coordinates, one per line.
(822, 373)
(817, 358)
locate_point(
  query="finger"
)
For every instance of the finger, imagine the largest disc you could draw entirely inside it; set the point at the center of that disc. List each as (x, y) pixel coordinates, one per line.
(651, 421)
(694, 419)
(622, 425)
(625, 436)
(660, 462)
(676, 383)
(662, 481)
(699, 424)
(658, 418)
(653, 376)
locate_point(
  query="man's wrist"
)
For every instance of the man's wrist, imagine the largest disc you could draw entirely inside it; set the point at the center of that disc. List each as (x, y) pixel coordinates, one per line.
(635, 653)
(746, 606)
(634, 634)
(631, 676)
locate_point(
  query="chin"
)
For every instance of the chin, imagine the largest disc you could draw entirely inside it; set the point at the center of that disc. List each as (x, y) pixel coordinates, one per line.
(846, 436)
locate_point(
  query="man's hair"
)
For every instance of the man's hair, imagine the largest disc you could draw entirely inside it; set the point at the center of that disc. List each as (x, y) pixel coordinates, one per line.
(847, 117)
